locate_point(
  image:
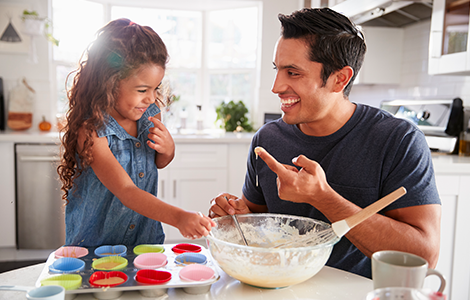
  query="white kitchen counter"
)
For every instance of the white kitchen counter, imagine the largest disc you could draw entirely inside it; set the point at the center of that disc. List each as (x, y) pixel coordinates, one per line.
(443, 163)
(451, 164)
(29, 136)
(328, 284)
(35, 136)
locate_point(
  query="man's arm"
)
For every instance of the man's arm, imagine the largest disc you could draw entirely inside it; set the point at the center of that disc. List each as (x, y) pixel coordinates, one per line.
(413, 229)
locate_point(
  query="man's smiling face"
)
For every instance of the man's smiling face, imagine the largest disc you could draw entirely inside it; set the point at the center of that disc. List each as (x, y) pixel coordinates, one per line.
(298, 83)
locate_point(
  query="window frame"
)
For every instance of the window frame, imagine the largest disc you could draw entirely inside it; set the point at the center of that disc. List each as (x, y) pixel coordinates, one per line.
(202, 92)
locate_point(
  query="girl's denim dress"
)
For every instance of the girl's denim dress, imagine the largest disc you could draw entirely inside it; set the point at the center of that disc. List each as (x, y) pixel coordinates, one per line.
(94, 216)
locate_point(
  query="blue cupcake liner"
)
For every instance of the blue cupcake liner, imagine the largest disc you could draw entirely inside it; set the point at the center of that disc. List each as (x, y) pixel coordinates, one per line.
(67, 265)
(189, 258)
(116, 250)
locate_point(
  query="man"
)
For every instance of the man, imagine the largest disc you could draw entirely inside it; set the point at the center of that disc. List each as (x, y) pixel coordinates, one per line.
(346, 155)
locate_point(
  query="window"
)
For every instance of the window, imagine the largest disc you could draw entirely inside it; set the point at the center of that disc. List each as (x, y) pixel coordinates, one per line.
(231, 50)
(213, 53)
(74, 33)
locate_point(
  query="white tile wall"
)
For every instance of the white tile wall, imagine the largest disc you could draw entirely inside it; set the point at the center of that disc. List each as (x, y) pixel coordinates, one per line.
(415, 81)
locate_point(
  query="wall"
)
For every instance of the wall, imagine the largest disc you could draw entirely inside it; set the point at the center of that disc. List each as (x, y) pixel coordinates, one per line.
(15, 66)
(41, 77)
(415, 81)
(268, 102)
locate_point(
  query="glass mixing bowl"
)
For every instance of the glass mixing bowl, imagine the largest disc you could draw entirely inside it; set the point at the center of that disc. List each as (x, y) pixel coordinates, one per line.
(260, 264)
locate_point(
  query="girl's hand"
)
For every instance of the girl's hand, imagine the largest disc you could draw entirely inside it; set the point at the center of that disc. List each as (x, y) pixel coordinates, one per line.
(194, 225)
(162, 142)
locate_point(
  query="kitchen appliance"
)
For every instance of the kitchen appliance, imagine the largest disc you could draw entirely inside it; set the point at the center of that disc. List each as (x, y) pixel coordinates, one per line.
(40, 209)
(268, 117)
(440, 120)
(385, 13)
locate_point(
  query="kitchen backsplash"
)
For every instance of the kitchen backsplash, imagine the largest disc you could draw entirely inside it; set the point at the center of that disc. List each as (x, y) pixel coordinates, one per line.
(415, 81)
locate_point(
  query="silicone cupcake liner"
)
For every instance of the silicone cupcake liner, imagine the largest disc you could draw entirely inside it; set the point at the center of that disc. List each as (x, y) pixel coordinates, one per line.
(196, 273)
(67, 281)
(148, 276)
(149, 283)
(107, 279)
(189, 258)
(104, 251)
(148, 248)
(109, 263)
(150, 261)
(182, 248)
(67, 265)
(71, 251)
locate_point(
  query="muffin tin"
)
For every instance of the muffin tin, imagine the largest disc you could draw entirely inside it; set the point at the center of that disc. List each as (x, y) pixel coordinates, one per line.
(107, 277)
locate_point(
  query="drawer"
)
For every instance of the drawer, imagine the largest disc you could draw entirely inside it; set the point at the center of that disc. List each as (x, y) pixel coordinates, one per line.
(200, 156)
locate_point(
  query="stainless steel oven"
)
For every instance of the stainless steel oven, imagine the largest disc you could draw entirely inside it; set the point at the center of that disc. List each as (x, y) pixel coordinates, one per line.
(40, 210)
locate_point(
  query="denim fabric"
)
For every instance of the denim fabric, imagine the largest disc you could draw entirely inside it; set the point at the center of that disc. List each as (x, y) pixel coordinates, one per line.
(94, 216)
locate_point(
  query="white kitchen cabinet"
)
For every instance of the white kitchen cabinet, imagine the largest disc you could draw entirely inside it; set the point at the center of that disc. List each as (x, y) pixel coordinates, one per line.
(382, 61)
(237, 158)
(198, 173)
(448, 189)
(453, 183)
(448, 42)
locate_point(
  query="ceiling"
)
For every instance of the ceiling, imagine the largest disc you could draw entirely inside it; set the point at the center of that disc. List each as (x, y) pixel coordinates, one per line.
(184, 4)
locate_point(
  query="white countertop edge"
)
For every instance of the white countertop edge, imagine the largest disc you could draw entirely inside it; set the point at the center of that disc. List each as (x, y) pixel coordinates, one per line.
(34, 136)
(451, 164)
(329, 283)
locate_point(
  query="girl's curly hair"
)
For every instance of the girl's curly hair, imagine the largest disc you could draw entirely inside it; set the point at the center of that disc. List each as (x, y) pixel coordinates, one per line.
(121, 47)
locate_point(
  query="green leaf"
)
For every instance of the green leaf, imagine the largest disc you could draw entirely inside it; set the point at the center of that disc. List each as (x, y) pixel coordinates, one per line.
(30, 13)
(233, 116)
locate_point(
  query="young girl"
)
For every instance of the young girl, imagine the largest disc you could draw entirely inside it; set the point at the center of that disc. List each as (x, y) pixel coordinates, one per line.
(114, 142)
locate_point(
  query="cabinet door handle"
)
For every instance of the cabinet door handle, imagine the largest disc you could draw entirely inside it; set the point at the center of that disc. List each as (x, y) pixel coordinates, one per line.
(39, 158)
(174, 188)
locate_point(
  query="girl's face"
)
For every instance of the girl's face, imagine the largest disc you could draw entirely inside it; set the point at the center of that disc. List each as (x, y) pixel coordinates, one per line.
(136, 93)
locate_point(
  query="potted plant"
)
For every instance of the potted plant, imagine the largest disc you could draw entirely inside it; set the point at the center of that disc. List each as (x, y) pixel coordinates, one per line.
(35, 26)
(233, 116)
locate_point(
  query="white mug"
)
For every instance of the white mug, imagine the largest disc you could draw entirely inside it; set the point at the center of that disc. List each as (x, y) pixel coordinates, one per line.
(401, 269)
(394, 293)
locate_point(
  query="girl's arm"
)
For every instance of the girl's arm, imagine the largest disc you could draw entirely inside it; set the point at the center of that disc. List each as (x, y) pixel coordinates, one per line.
(115, 178)
(162, 142)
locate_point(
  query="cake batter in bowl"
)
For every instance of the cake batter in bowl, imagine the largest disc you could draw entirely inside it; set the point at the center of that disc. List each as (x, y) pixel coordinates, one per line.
(260, 264)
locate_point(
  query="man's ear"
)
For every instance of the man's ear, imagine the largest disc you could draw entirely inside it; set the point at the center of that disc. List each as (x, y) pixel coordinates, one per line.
(342, 78)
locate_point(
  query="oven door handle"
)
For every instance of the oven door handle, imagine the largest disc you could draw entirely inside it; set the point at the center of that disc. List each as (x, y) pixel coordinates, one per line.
(39, 158)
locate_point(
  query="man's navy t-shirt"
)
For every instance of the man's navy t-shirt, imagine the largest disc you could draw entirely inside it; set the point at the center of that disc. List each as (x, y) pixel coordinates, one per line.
(372, 155)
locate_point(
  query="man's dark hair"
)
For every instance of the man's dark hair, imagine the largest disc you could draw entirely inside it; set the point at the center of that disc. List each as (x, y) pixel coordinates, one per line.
(333, 40)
